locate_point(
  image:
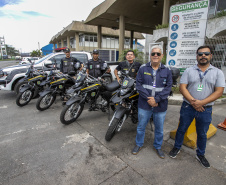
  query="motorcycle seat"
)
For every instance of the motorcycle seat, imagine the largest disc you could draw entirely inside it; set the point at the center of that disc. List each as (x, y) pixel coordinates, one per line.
(112, 86)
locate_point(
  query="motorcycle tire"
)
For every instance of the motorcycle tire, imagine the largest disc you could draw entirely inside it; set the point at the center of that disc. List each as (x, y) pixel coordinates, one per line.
(112, 129)
(23, 98)
(19, 85)
(72, 112)
(44, 102)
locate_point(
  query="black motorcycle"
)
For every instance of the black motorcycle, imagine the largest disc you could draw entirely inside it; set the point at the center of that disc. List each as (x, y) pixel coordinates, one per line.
(96, 92)
(126, 99)
(33, 86)
(61, 83)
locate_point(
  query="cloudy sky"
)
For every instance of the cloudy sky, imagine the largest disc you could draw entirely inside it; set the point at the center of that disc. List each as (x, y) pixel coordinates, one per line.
(25, 23)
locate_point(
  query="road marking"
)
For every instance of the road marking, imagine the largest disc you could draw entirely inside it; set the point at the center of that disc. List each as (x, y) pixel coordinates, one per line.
(4, 107)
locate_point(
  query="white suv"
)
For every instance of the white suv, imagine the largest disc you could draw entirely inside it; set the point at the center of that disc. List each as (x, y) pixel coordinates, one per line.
(10, 76)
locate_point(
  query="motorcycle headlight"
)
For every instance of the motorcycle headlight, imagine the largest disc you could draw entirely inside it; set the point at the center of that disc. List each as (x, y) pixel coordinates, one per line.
(124, 91)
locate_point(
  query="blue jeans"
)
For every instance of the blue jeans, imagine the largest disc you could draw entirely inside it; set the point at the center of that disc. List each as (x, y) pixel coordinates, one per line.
(143, 118)
(203, 120)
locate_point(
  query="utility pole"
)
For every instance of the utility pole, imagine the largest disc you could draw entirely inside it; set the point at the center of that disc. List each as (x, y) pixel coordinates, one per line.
(3, 46)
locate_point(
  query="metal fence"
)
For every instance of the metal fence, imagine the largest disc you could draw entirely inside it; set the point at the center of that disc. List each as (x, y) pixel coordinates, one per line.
(218, 45)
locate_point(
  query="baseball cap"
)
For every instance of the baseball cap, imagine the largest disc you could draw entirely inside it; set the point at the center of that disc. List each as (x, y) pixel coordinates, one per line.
(95, 51)
(67, 50)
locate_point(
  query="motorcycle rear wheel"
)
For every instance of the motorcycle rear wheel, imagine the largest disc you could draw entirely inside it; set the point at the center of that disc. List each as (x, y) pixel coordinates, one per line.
(44, 102)
(112, 129)
(70, 113)
(24, 98)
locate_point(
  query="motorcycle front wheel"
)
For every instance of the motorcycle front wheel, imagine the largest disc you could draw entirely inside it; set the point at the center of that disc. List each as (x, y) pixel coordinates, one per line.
(23, 98)
(112, 129)
(44, 102)
(70, 113)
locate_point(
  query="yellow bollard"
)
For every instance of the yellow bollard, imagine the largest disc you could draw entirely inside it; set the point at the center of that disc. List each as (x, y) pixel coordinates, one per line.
(190, 136)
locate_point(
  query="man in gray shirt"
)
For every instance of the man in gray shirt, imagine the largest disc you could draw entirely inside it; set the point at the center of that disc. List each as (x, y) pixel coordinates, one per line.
(200, 85)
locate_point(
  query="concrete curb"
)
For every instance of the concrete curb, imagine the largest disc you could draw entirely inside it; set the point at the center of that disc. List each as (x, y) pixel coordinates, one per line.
(177, 99)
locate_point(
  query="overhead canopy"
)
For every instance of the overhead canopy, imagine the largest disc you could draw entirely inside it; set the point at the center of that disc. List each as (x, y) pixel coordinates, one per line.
(140, 16)
(80, 27)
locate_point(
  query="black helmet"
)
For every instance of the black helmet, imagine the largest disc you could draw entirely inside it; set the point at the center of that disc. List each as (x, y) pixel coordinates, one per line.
(95, 51)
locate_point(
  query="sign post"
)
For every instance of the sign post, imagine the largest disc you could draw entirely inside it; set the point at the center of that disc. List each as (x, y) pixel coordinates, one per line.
(187, 30)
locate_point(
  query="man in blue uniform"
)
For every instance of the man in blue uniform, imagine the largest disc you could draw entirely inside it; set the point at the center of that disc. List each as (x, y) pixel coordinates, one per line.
(200, 85)
(153, 82)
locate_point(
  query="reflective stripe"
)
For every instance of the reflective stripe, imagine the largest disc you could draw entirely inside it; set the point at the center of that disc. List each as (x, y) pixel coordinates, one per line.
(158, 89)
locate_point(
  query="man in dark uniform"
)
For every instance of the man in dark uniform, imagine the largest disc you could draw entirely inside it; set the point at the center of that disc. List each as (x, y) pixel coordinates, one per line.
(129, 64)
(95, 65)
(67, 64)
(95, 69)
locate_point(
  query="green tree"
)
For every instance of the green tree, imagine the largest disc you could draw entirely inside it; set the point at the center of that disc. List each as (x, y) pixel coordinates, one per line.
(11, 51)
(36, 53)
(139, 56)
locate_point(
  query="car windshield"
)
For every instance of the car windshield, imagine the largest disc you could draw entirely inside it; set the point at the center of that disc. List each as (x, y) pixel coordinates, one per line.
(80, 56)
(47, 56)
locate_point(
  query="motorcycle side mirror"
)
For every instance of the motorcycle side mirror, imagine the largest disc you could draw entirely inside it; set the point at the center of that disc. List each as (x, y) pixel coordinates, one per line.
(77, 65)
(104, 67)
(48, 63)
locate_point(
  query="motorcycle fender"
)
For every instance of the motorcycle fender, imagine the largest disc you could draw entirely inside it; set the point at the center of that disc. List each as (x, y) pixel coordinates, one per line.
(120, 112)
(22, 80)
(73, 100)
(26, 87)
(43, 93)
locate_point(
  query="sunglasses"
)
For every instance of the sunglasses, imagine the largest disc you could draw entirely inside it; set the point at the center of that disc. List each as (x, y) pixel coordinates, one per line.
(205, 53)
(153, 54)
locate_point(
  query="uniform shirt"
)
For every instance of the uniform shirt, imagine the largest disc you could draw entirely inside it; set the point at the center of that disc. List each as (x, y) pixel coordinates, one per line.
(95, 68)
(68, 64)
(125, 66)
(214, 77)
(144, 85)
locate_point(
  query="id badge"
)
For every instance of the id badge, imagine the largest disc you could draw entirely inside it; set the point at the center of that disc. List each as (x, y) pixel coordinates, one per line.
(199, 87)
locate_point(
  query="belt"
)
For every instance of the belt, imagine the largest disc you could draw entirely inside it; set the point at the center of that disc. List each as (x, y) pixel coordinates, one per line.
(207, 106)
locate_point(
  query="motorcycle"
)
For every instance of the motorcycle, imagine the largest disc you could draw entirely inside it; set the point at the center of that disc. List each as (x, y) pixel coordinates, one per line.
(126, 99)
(33, 86)
(96, 92)
(61, 83)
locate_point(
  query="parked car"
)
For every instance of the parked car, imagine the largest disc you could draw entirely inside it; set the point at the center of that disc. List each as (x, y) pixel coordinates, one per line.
(18, 57)
(10, 76)
(29, 60)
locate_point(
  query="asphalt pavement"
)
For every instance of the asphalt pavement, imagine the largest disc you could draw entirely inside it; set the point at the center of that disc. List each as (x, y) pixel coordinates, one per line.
(36, 148)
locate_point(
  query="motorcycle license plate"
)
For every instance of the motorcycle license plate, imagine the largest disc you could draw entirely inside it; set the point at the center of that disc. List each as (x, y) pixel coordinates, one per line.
(60, 86)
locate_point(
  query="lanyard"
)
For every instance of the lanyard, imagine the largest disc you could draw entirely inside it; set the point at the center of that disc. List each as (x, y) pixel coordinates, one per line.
(202, 76)
(154, 83)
